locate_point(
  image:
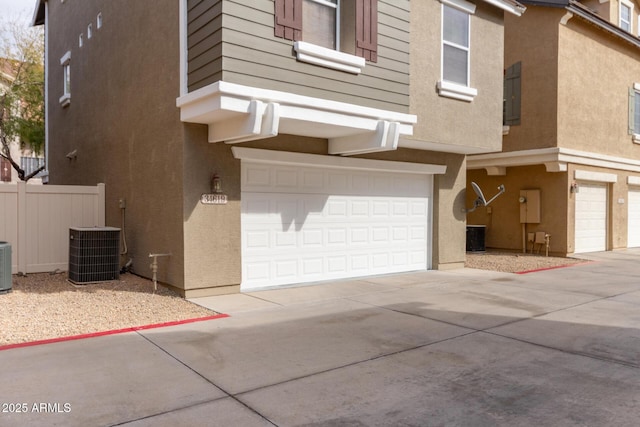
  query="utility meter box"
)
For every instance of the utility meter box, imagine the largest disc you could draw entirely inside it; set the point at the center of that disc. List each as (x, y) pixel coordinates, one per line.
(529, 206)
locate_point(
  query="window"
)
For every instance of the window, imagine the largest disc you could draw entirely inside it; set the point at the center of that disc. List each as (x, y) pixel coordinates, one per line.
(634, 112)
(321, 26)
(332, 33)
(511, 108)
(99, 21)
(81, 40)
(5, 170)
(455, 45)
(89, 31)
(65, 61)
(456, 50)
(626, 16)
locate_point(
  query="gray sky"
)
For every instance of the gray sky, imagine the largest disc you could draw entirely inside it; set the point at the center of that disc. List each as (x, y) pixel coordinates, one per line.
(22, 9)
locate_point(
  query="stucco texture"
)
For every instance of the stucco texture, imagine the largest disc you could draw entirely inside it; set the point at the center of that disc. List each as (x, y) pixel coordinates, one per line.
(502, 216)
(440, 118)
(122, 121)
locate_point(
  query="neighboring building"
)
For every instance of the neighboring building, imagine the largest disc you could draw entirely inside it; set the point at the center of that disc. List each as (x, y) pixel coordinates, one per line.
(337, 130)
(572, 116)
(28, 160)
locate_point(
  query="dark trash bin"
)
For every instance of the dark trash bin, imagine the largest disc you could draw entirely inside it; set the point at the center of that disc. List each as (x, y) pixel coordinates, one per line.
(475, 238)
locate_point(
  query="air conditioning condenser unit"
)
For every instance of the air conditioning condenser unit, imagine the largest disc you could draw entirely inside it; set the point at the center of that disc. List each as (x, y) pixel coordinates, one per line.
(94, 254)
(5, 267)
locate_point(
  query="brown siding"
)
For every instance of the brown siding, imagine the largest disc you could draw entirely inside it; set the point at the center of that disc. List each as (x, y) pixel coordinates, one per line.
(204, 42)
(238, 46)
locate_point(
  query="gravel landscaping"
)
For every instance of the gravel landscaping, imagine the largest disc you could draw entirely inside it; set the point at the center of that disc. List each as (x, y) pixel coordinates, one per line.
(45, 306)
(513, 262)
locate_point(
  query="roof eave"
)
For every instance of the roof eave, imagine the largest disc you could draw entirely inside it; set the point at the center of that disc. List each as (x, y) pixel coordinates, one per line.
(38, 13)
(578, 10)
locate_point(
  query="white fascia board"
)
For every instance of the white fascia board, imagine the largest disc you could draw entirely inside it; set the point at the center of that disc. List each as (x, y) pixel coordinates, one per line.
(517, 10)
(512, 158)
(240, 92)
(549, 155)
(462, 5)
(297, 114)
(256, 155)
(417, 144)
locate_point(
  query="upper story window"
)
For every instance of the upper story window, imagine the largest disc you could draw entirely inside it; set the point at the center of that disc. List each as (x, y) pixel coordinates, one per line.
(455, 45)
(634, 112)
(456, 50)
(626, 15)
(338, 34)
(65, 61)
(321, 26)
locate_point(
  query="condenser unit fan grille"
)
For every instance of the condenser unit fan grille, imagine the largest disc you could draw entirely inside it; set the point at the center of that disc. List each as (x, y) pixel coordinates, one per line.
(94, 254)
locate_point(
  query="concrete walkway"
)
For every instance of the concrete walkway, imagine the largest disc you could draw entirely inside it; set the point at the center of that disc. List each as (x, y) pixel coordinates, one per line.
(459, 348)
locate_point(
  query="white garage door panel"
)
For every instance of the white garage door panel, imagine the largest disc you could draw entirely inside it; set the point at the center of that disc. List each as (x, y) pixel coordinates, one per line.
(309, 225)
(591, 218)
(633, 238)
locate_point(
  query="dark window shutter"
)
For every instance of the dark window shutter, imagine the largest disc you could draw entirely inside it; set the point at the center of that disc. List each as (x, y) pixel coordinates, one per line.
(367, 29)
(288, 19)
(512, 80)
(5, 170)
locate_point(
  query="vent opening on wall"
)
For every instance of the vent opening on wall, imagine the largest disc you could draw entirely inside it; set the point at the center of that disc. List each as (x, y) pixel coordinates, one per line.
(94, 254)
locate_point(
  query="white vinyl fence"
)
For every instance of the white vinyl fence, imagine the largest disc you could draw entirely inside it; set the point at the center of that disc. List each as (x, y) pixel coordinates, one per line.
(35, 220)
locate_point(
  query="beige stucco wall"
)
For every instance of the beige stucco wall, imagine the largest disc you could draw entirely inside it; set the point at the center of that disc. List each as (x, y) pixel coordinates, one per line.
(476, 124)
(212, 233)
(538, 55)
(557, 206)
(502, 216)
(445, 120)
(122, 120)
(617, 210)
(597, 71)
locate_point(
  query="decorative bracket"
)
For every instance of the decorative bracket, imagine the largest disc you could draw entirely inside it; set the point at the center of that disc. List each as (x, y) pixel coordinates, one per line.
(262, 121)
(385, 138)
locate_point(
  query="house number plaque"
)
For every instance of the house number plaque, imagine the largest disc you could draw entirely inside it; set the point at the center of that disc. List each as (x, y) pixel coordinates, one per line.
(213, 199)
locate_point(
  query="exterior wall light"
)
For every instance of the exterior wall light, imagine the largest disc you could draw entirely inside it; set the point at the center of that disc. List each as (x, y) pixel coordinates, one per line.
(574, 188)
(215, 197)
(216, 184)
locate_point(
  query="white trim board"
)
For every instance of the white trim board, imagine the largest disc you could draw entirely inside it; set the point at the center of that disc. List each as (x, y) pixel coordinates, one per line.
(237, 113)
(555, 159)
(582, 175)
(256, 155)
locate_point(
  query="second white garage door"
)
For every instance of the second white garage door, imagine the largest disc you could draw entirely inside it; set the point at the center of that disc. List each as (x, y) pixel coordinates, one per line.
(591, 218)
(305, 224)
(633, 227)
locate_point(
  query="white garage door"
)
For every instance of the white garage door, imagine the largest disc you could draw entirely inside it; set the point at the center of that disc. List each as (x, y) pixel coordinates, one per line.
(305, 224)
(591, 218)
(633, 238)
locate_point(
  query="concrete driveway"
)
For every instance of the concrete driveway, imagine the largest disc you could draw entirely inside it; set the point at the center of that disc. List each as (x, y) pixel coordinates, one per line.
(459, 348)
